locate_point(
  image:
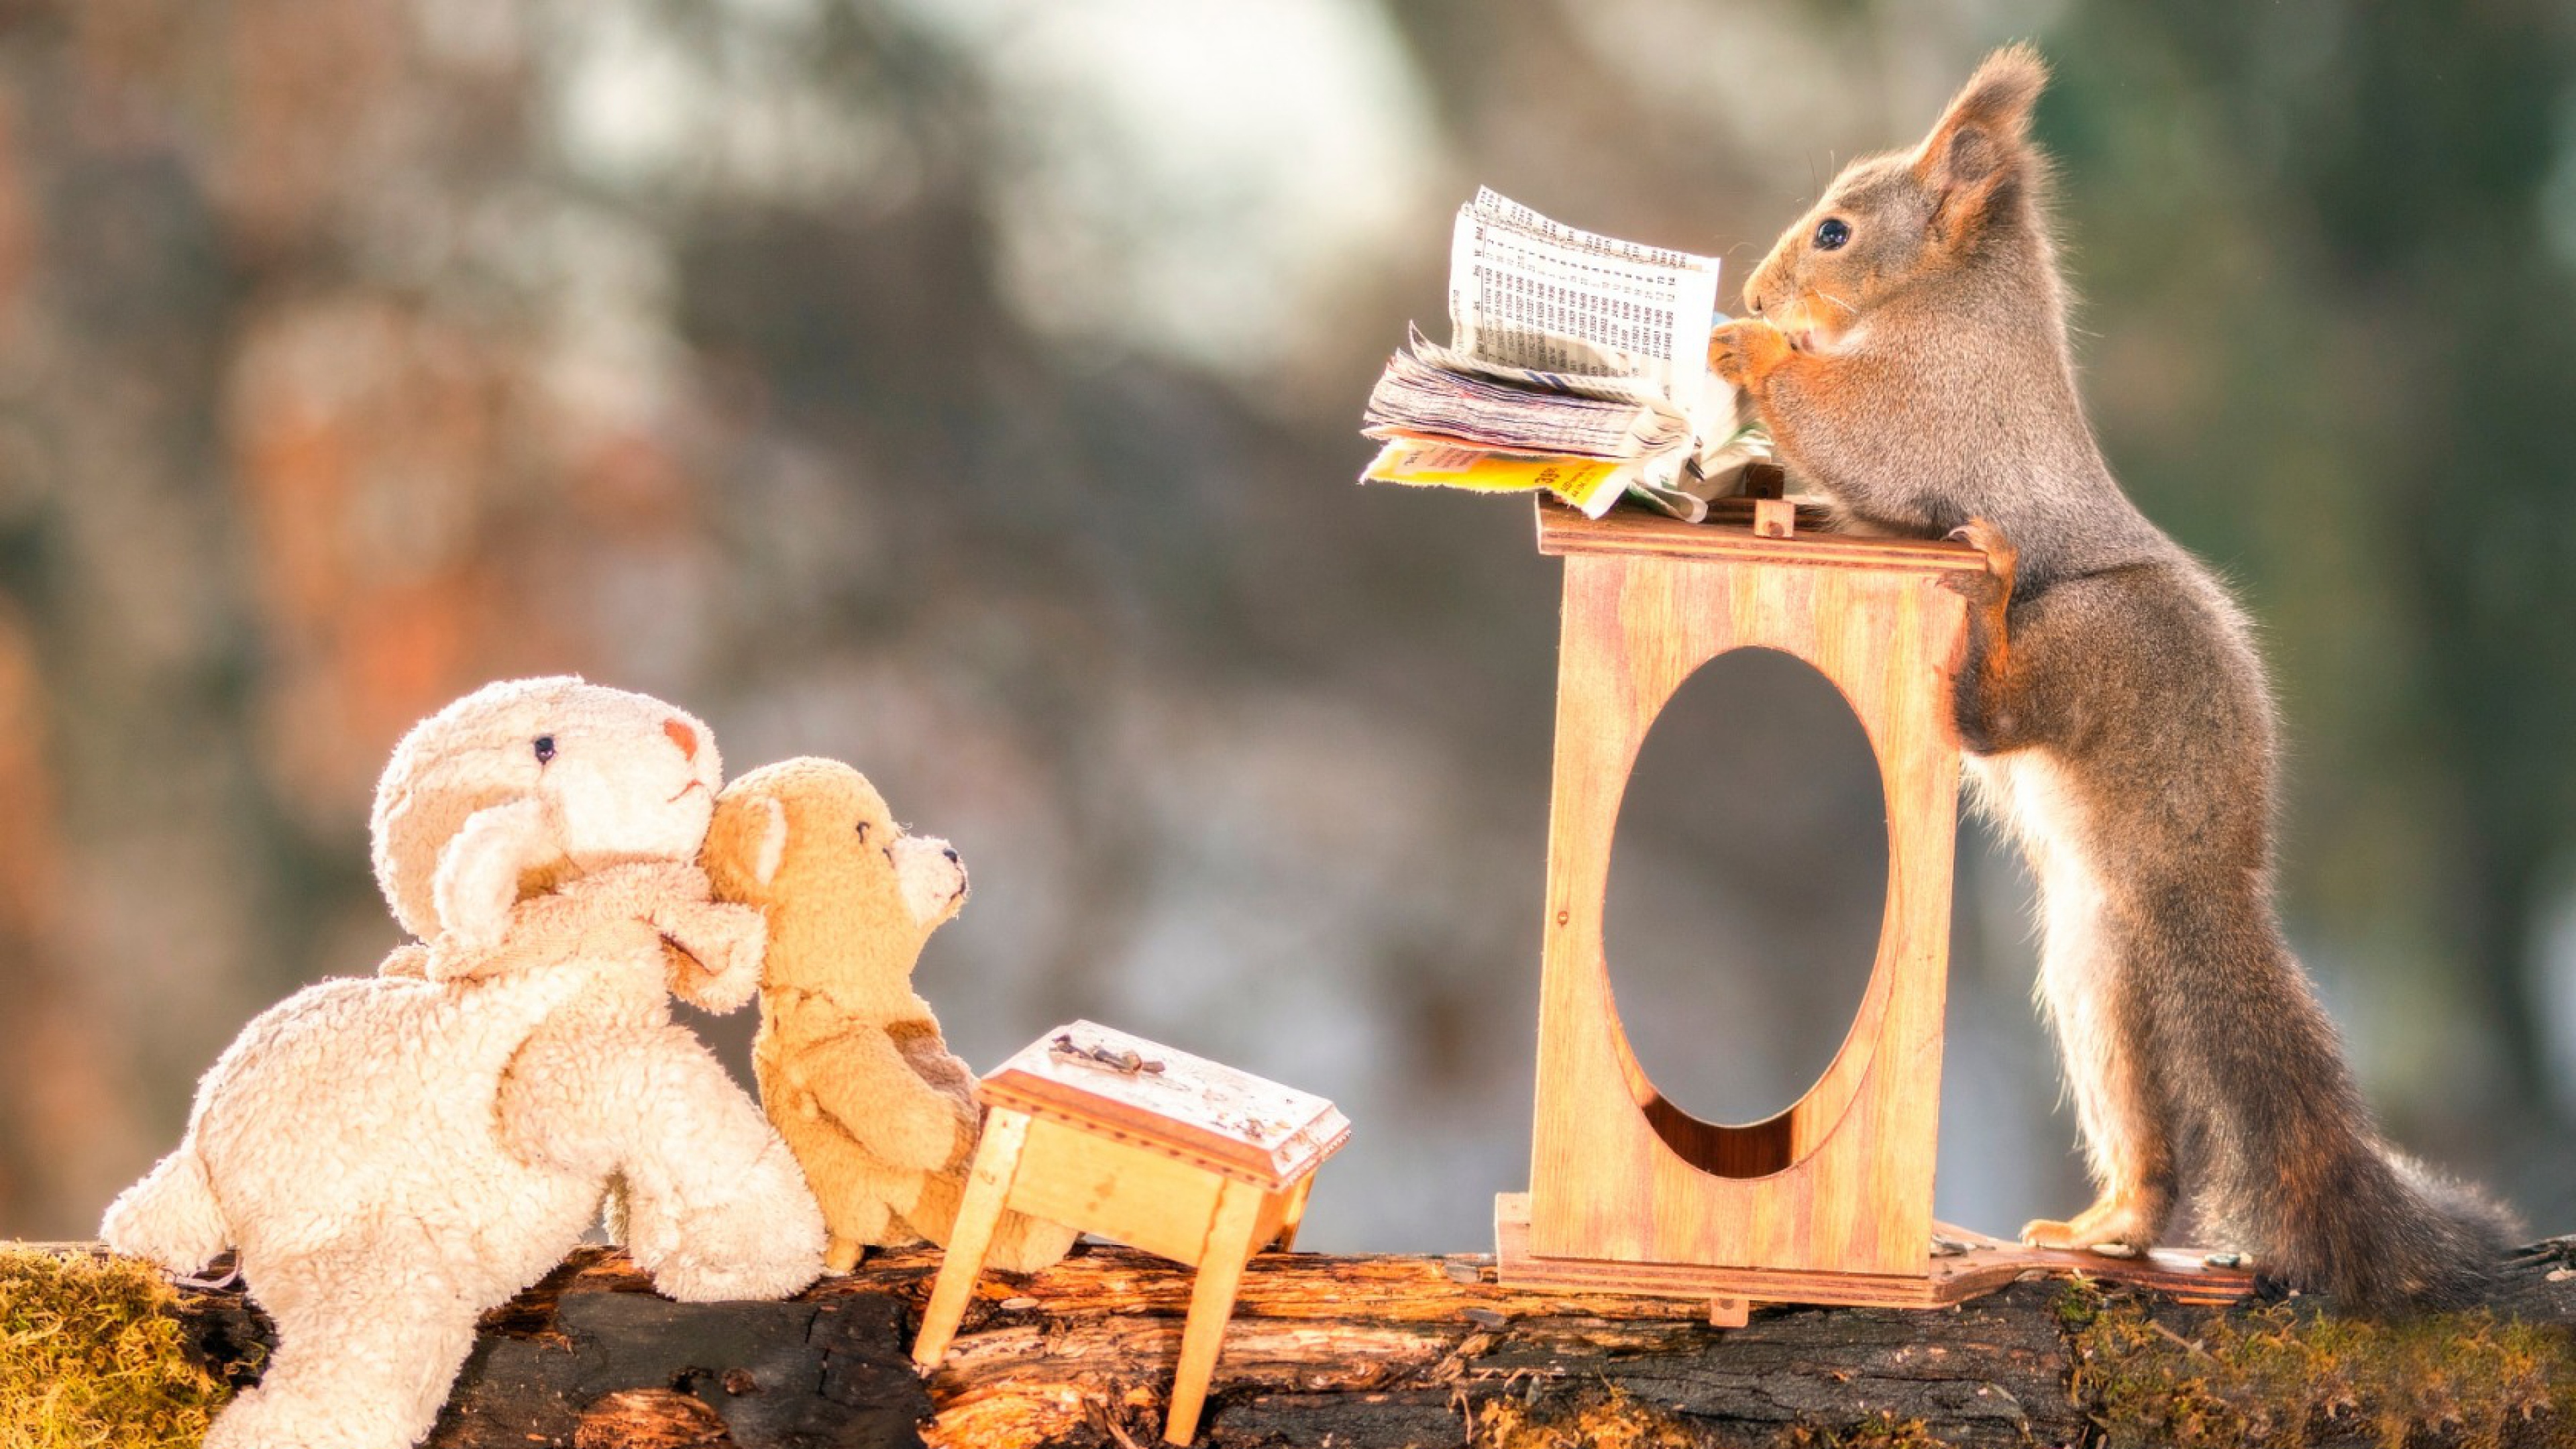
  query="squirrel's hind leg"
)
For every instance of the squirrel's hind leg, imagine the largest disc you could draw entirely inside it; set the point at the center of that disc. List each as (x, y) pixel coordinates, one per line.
(2131, 1160)
(2089, 984)
(2126, 1143)
(2133, 1220)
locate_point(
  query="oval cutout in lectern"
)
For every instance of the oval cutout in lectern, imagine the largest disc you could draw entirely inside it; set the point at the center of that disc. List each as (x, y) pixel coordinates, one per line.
(1748, 884)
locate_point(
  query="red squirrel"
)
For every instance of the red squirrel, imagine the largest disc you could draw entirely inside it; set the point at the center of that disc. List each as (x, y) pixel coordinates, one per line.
(1907, 349)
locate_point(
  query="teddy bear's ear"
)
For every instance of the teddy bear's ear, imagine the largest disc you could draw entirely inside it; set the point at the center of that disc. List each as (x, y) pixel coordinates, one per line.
(771, 813)
(478, 872)
(746, 841)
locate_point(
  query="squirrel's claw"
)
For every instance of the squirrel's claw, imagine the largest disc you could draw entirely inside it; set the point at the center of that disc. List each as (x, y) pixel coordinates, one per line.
(2003, 561)
(1743, 353)
(2120, 1225)
(1725, 357)
(1985, 538)
(2048, 1233)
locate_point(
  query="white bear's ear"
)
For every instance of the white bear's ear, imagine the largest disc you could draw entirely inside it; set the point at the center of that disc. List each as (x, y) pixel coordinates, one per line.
(478, 872)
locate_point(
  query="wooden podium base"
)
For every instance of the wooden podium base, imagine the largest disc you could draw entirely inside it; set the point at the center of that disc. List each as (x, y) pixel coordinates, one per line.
(2183, 1274)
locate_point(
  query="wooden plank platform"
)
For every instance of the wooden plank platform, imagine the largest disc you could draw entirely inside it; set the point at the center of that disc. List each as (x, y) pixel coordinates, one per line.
(2181, 1274)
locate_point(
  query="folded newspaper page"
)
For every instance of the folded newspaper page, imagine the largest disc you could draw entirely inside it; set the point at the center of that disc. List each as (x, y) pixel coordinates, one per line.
(1434, 391)
(1577, 363)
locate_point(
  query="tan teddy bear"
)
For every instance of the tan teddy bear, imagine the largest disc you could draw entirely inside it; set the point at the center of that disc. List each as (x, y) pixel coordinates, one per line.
(850, 1061)
(396, 1154)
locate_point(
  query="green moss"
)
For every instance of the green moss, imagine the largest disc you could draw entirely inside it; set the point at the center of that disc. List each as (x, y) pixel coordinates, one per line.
(2281, 1375)
(91, 1356)
(1604, 1416)
(2079, 1303)
(1595, 1416)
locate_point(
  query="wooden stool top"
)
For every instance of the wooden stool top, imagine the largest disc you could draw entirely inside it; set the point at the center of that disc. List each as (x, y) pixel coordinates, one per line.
(1728, 534)
(1201, 1112)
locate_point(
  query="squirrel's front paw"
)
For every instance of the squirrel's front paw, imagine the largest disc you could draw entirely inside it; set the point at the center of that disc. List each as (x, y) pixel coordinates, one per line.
(1746, 352)
(1981, 534)
(2003, 561)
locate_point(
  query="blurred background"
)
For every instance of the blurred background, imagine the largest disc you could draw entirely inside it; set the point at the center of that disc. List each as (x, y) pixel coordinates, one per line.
(968, 389)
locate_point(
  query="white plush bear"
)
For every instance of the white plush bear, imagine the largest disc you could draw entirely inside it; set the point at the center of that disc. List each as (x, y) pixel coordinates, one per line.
(394, 1155)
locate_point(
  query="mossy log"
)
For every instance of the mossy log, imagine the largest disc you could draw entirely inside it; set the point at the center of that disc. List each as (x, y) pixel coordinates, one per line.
(1383, 1351)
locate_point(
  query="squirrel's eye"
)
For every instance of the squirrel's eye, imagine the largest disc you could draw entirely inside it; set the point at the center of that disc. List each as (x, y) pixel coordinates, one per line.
(863, 832)
(545, 748)
(1831, 233)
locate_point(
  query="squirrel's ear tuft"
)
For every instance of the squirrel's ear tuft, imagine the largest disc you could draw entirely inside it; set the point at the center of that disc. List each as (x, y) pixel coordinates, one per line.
(2006, 85)
(1979, 144)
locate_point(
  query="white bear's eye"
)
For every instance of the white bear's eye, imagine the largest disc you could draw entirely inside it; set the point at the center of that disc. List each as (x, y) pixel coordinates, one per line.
(545, 748)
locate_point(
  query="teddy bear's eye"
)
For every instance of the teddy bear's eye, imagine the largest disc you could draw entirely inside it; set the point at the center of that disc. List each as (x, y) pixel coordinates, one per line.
(1831, 233)
(545, 748)
(863, 832)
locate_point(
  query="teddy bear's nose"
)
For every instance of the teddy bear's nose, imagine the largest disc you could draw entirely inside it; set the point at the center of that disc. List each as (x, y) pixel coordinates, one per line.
(683, 736)
(951, 853)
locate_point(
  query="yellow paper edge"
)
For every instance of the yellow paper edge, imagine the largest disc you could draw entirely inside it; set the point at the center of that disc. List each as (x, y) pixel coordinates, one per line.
(1590, 484)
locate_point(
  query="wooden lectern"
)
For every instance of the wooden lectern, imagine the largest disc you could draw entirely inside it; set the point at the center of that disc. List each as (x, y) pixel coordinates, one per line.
(1829, 1201)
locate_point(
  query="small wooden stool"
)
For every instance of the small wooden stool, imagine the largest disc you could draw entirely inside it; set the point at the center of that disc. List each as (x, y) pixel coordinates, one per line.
(1112, 1134)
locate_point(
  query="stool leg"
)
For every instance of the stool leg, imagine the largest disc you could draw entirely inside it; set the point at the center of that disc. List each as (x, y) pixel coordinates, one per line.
(988, 1190)
(1294, 1214)
(1229, 1243)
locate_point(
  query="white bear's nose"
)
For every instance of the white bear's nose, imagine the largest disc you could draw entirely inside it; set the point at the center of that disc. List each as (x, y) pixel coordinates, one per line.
(683, 736)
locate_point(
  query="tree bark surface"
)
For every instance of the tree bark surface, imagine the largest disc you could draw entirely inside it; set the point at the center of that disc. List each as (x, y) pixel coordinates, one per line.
(1361, 1352)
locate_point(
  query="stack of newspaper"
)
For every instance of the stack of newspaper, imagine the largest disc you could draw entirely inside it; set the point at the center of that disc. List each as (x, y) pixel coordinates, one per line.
(1577, 363)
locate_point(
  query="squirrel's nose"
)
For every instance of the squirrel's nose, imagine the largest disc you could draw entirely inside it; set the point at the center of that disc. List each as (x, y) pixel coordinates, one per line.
(683, 736)
(1755, 303)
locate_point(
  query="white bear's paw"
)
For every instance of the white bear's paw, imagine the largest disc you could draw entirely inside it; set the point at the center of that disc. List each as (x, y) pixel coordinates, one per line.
(704, 1273)
(742, 1251)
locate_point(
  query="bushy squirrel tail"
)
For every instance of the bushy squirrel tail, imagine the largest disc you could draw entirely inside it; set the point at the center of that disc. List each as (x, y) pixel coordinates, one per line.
(171, 1216)
(2374, 1230)
(2277, 1139)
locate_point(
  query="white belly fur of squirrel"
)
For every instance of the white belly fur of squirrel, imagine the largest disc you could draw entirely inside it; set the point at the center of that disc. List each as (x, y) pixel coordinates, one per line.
(2026, 792)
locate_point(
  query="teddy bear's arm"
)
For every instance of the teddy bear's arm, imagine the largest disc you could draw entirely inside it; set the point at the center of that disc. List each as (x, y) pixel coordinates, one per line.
(861, 1081)
(716, 950)
(929, 1059)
